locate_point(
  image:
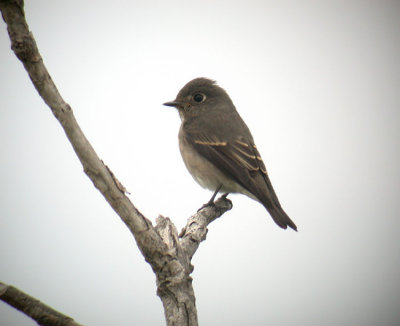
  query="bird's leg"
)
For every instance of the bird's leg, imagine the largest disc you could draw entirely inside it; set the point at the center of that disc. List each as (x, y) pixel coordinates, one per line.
(211, 201)
(225, 195)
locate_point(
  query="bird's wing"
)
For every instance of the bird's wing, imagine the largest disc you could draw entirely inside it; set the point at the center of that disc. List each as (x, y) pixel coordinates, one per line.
(239, 159)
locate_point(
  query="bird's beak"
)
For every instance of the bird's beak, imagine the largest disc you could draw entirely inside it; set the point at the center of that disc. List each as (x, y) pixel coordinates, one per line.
(174, 103)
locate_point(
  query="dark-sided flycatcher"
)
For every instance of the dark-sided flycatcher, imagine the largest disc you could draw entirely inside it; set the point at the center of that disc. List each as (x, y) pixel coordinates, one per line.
(218, 148)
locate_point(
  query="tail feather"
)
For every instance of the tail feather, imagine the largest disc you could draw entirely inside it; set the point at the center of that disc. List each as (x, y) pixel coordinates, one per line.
(281, 218)
(270, 201)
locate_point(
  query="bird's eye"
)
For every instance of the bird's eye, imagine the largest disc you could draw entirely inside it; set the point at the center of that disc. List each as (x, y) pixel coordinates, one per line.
(199, 97)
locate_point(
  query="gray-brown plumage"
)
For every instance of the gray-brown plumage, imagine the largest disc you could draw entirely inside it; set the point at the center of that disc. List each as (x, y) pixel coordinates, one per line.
(218, 148)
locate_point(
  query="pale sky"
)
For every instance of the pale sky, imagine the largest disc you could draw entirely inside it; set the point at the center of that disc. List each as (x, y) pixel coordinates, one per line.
(318, 83)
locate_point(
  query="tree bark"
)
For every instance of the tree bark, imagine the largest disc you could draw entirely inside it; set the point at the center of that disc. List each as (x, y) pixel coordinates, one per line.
(38, 311)
(167, 253)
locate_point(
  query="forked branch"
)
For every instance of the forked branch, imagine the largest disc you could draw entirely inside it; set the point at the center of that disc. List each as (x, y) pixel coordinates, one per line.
(168, 255)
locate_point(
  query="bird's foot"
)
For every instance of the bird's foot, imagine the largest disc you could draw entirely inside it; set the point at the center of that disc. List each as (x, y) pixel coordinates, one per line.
(208, 204)
(211, 201)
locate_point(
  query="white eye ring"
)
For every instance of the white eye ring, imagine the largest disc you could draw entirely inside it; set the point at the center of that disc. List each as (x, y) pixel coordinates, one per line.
(199, 97)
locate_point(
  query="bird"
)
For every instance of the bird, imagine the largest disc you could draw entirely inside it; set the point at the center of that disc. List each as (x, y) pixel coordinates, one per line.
(218, 149)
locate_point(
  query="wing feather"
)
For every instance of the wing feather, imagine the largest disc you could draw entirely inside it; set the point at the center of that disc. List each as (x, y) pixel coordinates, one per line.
(239, 159)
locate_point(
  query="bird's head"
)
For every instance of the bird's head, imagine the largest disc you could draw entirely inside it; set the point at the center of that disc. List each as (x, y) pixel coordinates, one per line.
(198, 97)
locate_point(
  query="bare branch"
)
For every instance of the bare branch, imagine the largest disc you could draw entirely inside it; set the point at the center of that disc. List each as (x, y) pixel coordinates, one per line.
(24, 46)
(175, 286)
(168, 256)
(195, 230)
(38, 311)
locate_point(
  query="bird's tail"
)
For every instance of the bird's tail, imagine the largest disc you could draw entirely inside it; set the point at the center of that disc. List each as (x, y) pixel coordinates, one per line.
(280, 217)
(270, 201)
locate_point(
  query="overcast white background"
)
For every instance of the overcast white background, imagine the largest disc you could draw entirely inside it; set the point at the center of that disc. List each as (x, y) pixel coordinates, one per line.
(318, 83)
